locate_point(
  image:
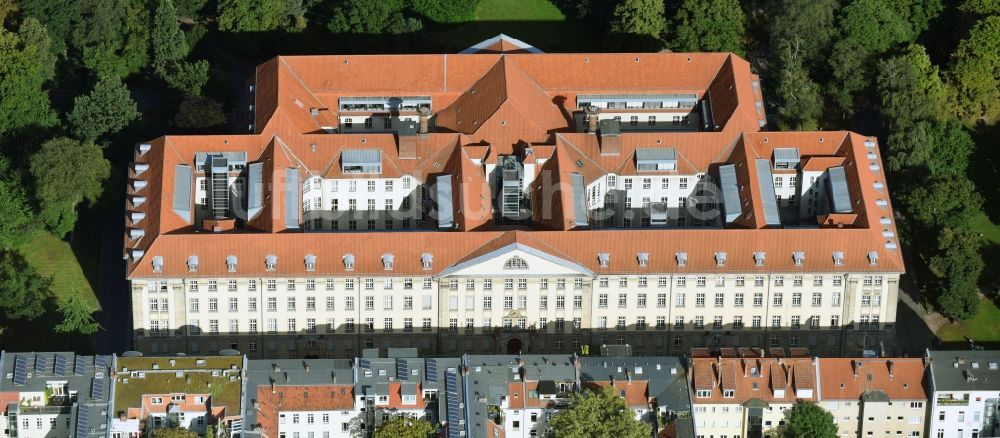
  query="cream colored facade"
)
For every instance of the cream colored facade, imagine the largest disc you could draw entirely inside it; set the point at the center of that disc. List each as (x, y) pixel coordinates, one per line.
(878, 416)
(516, 298)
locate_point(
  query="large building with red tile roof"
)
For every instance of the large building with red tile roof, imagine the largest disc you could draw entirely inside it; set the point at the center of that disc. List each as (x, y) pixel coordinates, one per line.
(875, 396)
(507, 200)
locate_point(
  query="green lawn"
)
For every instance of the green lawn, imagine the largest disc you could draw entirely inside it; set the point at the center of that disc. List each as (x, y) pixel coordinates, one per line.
(536, 22)
(51, 256)
(984, 327)
(518, 10)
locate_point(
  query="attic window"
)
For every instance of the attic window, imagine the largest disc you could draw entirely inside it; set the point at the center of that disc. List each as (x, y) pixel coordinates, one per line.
(799, 257)
(604, 258)
(579, 163)
(682, 259)
(515, 263)
(310, 262)
(873, 258)
(758, 258)
(838, 258)
(231, 263)
(426, 259)
(643, 258)
(387, 261)
(349, 262)
(157, 263)
(271, 262)
(192, 263)
(720, 259)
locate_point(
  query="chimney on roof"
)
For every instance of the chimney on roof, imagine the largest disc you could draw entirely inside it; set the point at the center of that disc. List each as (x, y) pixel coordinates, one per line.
(423, 118)
(855, 367)
(888, 364)
(628, 375)
(610, 136)
(592, 113)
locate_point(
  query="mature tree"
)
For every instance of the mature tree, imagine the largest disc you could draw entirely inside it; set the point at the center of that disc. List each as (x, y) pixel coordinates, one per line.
(876, 24)
(252, 16)
(446, 11)
(709, 25)
(189, 9)
(801, 103)
(403, 427)
(24, 68)
(929, 148)
(808, 420)
(983, 7)
(368, 17)
(106, 109)
(911, 89)
(22, 291)
(188, 77)
(113, 36)
(58, 18)
(199, 112)
(17, 218)
(811, 22)
(169, 45)
(975, 70)
(77, 314)
(850, 72)
(957, 266)
(174, 433)
(638, 23)
(598, 413)
(33, 33)
(919, 13)
(943, 201)
(67, 172)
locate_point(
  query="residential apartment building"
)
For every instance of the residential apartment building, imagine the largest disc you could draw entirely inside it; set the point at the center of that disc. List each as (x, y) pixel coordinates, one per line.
(746, 392)
(498, 201)
(875, 397)
(54, 395)
(964, 391)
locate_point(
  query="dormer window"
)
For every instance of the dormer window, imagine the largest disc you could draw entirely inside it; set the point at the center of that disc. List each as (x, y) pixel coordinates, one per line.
(192, 263)
(758, 258)
(643, 258)
(703, 393)
(157, 263)
(604, 259)
(838, 258)
(426, 260)
(720, 259)
(231, 263)
(310, 262)
(271, 262)
(873, 258)
(349, 262)
(729, 393)
(387, 261)
(799, 257)
(682, 259)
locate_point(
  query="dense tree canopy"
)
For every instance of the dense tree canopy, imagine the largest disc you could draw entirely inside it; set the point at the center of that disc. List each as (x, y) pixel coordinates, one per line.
(809, 420)
(638, 23)
(709, 25)
(24, 69)
(188, 77)
(67, 172)
(367, 17)
(252, 16)
(911, 89)
(113, 36)
(809, 22)
(15, 211)
(169, 45)
(107, 108)
(22, 291)
(404, 427)
(957, 266)
(57, 17)
(975, 70)
(801, 103)
(598, 413)
(875, 24)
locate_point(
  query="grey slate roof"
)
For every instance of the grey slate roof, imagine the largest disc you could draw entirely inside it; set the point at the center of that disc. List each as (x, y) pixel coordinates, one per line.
(87, 376)
(965, 370)
(289, 372)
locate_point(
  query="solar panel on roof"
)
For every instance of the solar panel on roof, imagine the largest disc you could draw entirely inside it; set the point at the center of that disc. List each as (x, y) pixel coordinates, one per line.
(79, 367)
(100, 362)
(432, 370)
(20, 370)
(451, 387)
(60, 365)
(402, 369)
(82, 414)
(97, 389)
(41, 364)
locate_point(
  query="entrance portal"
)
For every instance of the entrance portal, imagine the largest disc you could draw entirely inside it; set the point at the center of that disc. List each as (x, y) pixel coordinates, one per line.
(514, 346)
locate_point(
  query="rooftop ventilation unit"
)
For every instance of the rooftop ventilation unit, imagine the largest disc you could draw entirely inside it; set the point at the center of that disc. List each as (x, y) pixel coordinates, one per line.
(655, 159)
(361, 161)
(219, 185)
(786, 158)
(511, 195)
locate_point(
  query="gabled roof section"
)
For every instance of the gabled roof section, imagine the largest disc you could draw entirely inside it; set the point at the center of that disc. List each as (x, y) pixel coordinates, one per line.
(501, 44)
(516, 241)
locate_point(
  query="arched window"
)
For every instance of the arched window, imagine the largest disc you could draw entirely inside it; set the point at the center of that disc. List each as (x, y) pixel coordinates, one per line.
(515, 263)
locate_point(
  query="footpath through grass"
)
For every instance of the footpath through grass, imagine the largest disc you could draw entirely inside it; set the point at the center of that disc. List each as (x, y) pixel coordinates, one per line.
(984, 327)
